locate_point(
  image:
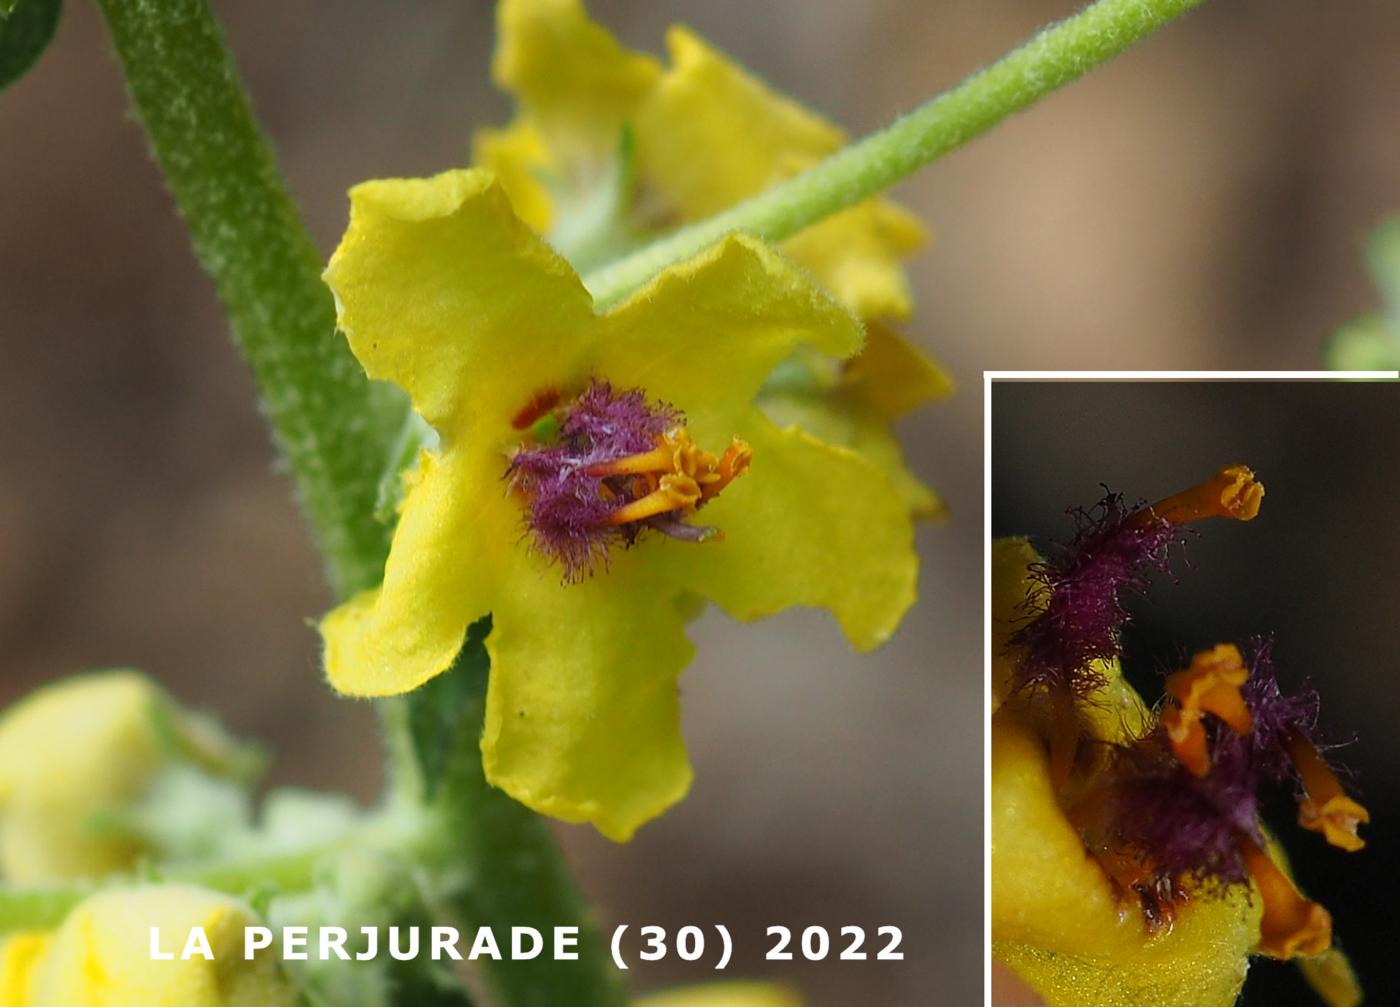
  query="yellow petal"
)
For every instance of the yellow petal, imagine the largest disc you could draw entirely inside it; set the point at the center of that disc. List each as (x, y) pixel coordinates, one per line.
(706, 334)
(857, 254)
(582, 715)
(1056, 920)
(1012, 587)
(442, 290)
(517, 156)
(843, 418)
(571, 77)
(810, 524)
(454, 533)
(894, 375)
(686, 153)
(101, 954)
(711, 135)
(735, 994)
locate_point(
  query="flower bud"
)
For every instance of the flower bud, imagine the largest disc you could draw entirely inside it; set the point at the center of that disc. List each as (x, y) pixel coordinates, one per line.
(103, 954)
(76, 754)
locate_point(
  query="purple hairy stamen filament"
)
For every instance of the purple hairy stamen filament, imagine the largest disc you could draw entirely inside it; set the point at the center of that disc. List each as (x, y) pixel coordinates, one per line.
(569, 510)
(1079, 595)
(1188, 826)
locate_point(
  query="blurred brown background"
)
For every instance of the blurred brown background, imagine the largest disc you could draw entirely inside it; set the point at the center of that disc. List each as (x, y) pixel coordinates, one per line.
(1198, 203)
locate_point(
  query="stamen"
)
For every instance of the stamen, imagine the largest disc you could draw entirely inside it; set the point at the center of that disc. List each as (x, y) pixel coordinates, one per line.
(1326, 808)
(678, 475)
(1291, 925)
(1211, 685)
(598, 470)
(1233, 493)
(676, 492)
(732, 464)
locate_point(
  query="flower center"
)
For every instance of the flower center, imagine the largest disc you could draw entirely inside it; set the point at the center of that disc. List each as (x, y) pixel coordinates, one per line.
(595, 471)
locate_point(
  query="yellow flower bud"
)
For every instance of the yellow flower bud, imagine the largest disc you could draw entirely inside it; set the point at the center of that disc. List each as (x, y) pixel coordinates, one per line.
(102, 955)
(81, 749)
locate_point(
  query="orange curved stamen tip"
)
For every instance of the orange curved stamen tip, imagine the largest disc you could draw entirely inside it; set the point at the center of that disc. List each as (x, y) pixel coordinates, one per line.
(731, 465)
(1291, 925)
(1326, 807)
(677, 475)
(1233, 493)
(1210, 685)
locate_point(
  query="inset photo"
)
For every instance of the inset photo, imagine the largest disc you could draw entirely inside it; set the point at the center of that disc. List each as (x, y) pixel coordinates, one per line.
(1193, 686)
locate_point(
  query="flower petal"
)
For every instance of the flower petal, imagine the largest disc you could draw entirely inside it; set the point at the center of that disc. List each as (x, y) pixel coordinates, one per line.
(686, 150)
(843, 418)
(515, 154)
(705, 334)
(582, 712)
(1056, 920)
(894, 375)
(810, 524)
(456, 528)
(571, 77)
(442, 290)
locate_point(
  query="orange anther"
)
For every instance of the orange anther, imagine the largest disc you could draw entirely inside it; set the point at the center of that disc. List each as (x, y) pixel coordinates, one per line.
(1232, 493)
(1210, 685)
(1291, 925)
(676, 492)
(1326, 808)
(674, 475)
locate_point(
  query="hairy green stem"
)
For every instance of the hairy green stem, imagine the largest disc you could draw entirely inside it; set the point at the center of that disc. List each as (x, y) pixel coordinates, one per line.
(336, 435)
(1057, 56)
(327, 419)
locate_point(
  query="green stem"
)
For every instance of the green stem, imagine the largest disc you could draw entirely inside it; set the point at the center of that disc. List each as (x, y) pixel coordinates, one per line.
(326, 417)
(1060, 54)
(531, 884)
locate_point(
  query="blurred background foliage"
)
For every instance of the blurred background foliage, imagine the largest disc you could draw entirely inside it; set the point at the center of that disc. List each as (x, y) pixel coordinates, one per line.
(1201, 202)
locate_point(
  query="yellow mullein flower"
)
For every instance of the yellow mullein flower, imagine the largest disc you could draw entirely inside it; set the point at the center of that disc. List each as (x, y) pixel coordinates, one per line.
(566, 437)
(1128, 864)
(610, 148)
(82, 748)
(101, 955)
(734, 994)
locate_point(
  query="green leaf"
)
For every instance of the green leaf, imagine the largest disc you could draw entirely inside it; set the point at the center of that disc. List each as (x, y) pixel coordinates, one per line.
(437, 709)
(26, 29)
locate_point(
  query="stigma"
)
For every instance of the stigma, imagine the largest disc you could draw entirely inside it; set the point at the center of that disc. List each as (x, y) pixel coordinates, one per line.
(594, 471)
